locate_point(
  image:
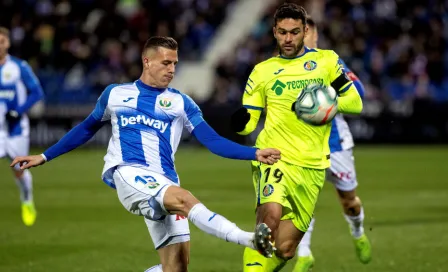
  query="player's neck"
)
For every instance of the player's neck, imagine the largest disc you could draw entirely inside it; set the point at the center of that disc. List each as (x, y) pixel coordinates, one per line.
(148, 83)
(3, 59)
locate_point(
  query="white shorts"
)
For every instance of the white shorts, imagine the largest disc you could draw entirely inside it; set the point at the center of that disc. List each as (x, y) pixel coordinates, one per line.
(342, 170)
(141, 192)
(15, 146)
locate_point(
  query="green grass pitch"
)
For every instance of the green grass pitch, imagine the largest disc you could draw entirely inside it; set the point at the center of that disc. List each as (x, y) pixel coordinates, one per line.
(81, 225)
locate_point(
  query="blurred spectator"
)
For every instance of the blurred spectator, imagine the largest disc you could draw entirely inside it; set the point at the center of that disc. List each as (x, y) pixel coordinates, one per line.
(398, 48)
(86, 45)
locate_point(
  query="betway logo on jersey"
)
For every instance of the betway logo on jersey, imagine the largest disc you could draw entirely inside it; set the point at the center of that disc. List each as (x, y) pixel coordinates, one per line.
(279, 86)
(7, 94)
(143, 119)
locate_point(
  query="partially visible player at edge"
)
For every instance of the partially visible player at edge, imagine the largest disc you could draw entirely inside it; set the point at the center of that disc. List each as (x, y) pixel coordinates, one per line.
(147, 120)
(19, 91)
(287, 192)
(342, 174)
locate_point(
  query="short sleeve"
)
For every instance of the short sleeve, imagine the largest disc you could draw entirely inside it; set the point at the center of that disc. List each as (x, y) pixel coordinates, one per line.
(100, 113)
(192, 113)
(254, 94)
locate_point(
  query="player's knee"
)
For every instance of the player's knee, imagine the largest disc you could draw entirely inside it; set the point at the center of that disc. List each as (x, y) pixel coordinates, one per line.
(18, 173)
(178, 200)
(352, 205)
(286, 250)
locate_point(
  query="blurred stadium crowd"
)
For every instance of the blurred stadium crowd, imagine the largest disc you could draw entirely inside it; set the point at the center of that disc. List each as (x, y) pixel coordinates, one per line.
(79, 47)
(398, 48)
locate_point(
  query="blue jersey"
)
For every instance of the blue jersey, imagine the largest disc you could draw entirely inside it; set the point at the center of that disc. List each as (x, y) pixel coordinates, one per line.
(19, 91)
(147, 125)
(340, 137)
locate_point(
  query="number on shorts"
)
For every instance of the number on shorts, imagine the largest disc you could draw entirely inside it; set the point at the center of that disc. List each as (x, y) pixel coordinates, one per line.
(140, 179)
(278, 174)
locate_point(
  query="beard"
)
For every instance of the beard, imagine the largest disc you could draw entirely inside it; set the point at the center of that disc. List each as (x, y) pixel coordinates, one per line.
(291, 53)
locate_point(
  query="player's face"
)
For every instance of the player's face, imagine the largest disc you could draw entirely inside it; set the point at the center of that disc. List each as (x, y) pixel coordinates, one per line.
(160, 65)
(311, 37)
(290, 34)
(4, 45)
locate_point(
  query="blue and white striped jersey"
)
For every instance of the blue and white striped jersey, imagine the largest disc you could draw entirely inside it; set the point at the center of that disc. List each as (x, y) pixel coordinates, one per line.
(147, 125)
(19, 90)
(340, 137)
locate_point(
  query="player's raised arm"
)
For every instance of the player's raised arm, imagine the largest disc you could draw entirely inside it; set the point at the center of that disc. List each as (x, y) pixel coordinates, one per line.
(349, 100)
(76, 137)
(245, 120)
(221, 146)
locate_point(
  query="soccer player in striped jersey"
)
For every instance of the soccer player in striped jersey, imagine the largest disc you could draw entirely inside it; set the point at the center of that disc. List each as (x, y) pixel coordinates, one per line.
(342, 174)
(147, 119)
(19, 91)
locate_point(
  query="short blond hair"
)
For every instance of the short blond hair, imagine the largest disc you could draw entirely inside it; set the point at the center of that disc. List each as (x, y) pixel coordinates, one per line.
(4, 31)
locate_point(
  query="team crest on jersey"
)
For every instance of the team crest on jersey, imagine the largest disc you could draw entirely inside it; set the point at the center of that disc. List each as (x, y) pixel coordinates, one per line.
(165, 103)
(268, 190)
(152, 182)
(310, 65)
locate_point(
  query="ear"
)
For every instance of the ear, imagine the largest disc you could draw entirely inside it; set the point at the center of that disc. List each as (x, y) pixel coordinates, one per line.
(274, 31)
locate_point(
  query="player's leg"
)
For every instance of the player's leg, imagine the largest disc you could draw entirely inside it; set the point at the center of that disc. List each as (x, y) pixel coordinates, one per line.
(180, 201)
(286, 197)
(343, 176)
(171, 238)
(19, 146)
(156, 198)
(305, 259)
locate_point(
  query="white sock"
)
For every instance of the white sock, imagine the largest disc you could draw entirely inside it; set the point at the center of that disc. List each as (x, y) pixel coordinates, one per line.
(25, 184)
(156, 268)
(356, 223)
(219, 226)
(304, 247)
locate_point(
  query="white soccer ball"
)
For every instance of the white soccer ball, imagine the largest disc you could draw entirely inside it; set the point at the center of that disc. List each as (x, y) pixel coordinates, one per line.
(317, 104)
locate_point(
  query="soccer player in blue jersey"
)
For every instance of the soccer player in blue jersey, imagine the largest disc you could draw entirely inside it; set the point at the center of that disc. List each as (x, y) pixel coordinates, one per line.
(342, 174)
(147, 119)
(19, 91)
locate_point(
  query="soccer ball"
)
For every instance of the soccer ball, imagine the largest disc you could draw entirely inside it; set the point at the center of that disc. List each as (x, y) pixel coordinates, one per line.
(317, 104)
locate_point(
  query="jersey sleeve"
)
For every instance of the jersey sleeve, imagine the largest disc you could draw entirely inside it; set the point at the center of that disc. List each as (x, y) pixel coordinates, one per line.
(356, 81)
(254, 95)
(192, 113)
(33, 86)
(338, 77)
(101, 112)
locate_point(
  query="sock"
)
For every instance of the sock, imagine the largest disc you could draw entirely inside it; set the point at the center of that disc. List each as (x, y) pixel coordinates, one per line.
(156, 268)
(356, 223)
(25, 184)
(219, 226)
(253, 261)
(304, 247)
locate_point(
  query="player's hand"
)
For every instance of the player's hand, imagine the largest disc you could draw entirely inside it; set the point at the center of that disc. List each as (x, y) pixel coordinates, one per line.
(268, 155)
(12, 116)
(26, 162)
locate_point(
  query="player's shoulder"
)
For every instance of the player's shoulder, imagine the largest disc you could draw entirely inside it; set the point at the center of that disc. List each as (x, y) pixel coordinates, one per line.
(18, 61)
(267, 64)
(325, 53)
(175, 94)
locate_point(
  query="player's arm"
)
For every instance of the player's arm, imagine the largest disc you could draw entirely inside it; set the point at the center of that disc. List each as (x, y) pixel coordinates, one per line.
(35, 92)
(76, 137)
(245, 120)
(349, 100)
(221, 146)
